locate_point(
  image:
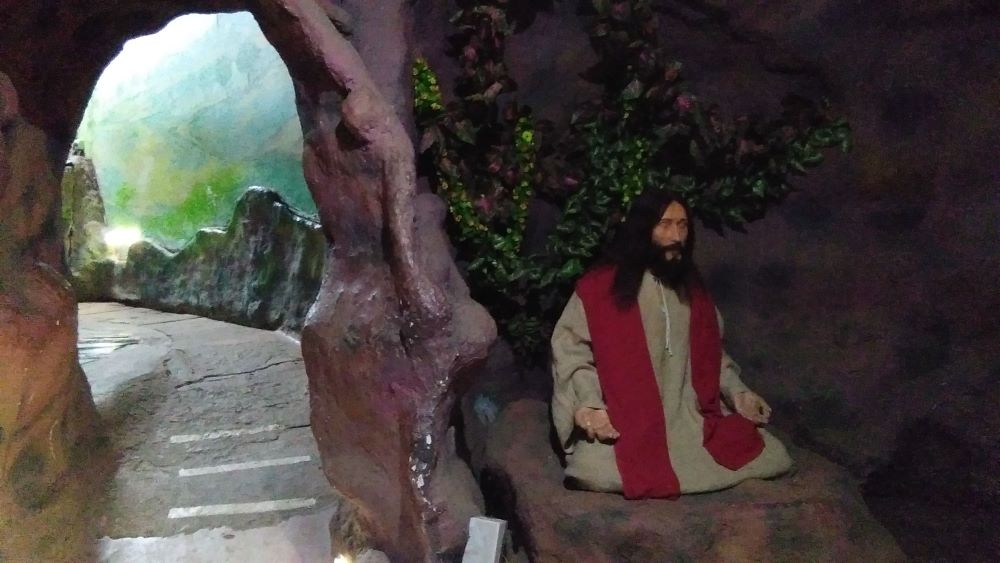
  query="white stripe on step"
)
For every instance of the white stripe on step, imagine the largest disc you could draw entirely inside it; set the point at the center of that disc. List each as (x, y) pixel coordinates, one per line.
(241, 508)
(243, 466)
(182, 438)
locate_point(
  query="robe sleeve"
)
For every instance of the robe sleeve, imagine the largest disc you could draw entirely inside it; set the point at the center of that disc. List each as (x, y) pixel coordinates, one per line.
(729, 377)
(575, 382)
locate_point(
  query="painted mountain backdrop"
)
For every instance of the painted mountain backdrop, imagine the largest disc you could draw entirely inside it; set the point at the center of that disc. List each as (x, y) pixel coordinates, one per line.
(181, 123)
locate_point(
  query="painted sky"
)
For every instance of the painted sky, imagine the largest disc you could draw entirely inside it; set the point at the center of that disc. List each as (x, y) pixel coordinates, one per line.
(183, 121)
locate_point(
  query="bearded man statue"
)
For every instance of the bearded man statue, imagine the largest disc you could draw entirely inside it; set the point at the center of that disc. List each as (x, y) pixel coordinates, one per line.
(646, 401)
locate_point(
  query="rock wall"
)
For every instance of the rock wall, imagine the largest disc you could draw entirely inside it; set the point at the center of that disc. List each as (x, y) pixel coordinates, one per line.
(91, 270)
(47, 418)
(857, 308)
(393, 331)
(262, 270)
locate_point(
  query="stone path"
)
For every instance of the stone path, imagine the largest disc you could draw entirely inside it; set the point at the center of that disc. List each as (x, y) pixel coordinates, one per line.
(211, 423)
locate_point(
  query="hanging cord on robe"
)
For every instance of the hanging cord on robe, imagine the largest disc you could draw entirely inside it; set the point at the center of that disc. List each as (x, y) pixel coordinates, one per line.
(666, 316)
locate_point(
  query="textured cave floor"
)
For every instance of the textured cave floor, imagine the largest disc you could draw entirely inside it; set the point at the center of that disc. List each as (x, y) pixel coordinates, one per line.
(203, 415)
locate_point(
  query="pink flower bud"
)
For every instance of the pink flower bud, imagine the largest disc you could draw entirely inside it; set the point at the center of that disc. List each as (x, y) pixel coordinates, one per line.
(484, 204)
(744, 147)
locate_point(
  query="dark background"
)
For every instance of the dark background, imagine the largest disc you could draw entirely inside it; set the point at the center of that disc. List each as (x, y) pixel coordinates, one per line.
(865, 308)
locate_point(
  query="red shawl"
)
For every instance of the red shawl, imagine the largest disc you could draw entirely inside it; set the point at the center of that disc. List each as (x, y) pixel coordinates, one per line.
(633, 398)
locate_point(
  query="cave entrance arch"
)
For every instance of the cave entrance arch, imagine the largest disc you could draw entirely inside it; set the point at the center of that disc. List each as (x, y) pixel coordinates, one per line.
(191, 142)
(208, 422)
(390, 307)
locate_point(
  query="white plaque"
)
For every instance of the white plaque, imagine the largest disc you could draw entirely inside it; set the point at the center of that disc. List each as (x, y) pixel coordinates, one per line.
(485, 540)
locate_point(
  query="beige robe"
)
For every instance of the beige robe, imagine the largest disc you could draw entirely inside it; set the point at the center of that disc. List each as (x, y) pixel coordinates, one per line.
(592, 463)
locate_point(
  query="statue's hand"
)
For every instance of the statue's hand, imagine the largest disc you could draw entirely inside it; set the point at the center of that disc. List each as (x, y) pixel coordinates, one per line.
(596, 423)
(751, 406)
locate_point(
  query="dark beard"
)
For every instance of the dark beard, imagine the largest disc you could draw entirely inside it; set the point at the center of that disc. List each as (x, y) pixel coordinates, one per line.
(671, 273)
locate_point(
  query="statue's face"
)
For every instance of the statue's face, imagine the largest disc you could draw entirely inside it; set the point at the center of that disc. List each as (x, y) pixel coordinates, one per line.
(671, 233)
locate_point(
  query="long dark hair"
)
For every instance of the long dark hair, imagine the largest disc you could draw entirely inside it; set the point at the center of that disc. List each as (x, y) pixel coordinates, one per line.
(631, 250)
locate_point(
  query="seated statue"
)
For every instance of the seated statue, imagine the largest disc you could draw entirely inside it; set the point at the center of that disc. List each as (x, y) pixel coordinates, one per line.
(644, 394)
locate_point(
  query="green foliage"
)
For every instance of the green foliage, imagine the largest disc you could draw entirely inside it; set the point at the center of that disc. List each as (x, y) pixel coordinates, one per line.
(645, 131)
(124, 199)
(208, 203)
(729, 171)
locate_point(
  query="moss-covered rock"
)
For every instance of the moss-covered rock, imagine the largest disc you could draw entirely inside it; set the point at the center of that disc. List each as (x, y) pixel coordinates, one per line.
(83, 223)
(263, 270)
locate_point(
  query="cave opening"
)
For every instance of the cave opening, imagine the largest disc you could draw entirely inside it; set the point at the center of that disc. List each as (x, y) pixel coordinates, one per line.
(194, 250)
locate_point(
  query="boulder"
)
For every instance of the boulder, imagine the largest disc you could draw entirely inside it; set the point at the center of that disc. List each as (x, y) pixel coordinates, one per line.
(262, 271)
(87, 255)
(815, 514)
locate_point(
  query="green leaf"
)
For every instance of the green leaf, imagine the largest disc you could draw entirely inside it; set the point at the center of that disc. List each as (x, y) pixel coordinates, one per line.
(696, 153)
(634, 90)
(822, 137)
(465, 131)
(548, 277)
(428, 139)
(814, 158)
(571, 269)
(760, 188)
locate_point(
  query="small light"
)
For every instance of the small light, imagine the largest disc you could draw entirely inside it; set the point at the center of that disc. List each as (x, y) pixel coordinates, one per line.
(122, 236)
(119, 239)
(342, 559)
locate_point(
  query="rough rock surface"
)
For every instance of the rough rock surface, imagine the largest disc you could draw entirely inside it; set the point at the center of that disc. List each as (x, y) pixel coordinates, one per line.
(263, 270)
(857, 307)
(90, 266)
(55, 52)
(29, 190)
(393, 330)
(381, 33)
(47, 433)
(817, 514)
(46, 414)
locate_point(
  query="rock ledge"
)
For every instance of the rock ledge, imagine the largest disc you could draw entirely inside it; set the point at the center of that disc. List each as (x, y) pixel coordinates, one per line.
(816, 514)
